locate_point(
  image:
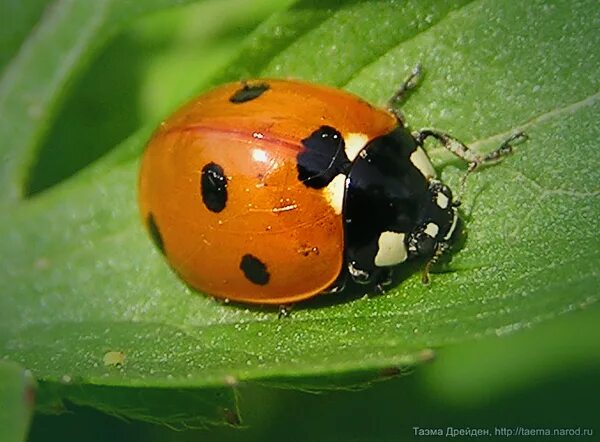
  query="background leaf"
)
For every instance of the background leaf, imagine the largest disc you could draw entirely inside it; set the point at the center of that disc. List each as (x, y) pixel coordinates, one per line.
(90, 281)
(56, 49)
(16, 401)
(467, 386)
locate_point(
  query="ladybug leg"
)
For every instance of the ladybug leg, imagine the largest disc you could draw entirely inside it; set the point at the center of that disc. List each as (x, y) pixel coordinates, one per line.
(383, 280)
(400, 96)
(358, 275)
(284, 311)
(338, 285)
(440, 249)
(461, 150)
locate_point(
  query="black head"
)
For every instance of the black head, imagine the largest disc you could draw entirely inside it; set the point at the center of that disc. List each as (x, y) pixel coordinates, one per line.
(394, 210)
(436, 223)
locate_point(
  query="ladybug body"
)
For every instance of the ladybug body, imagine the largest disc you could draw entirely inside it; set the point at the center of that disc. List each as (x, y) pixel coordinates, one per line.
(273, 191)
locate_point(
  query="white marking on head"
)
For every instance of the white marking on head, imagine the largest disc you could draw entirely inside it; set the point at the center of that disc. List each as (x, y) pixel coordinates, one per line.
(334, 193)
(421, 161)
(355, 142)
(453, 226)
(442, 201)
(392, 249)
(432, 230)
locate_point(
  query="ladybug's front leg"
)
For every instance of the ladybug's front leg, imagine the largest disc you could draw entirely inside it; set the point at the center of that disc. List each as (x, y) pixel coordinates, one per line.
(384, 279)
(461, 150)
(400, 96)
(440, 249)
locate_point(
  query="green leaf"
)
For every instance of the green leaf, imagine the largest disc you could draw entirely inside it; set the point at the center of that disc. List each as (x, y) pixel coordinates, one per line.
(174, 408)
(17, 21)
(553, 349)
(16, 401)
(57, 48)
(81, 279)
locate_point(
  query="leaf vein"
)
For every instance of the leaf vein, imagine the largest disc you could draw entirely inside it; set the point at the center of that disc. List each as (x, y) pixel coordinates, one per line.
(538, 119)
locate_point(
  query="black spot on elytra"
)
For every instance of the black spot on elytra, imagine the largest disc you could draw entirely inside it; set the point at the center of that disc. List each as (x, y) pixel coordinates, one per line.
(323, 158)
(155, 233)
(248, 92)
(254, 269)
(213, 187)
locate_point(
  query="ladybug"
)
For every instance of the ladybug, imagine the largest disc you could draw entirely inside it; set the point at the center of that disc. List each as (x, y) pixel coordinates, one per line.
(273, 191)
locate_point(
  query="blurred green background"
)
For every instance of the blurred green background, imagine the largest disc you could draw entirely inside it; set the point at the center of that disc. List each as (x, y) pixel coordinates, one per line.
(544, 377)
